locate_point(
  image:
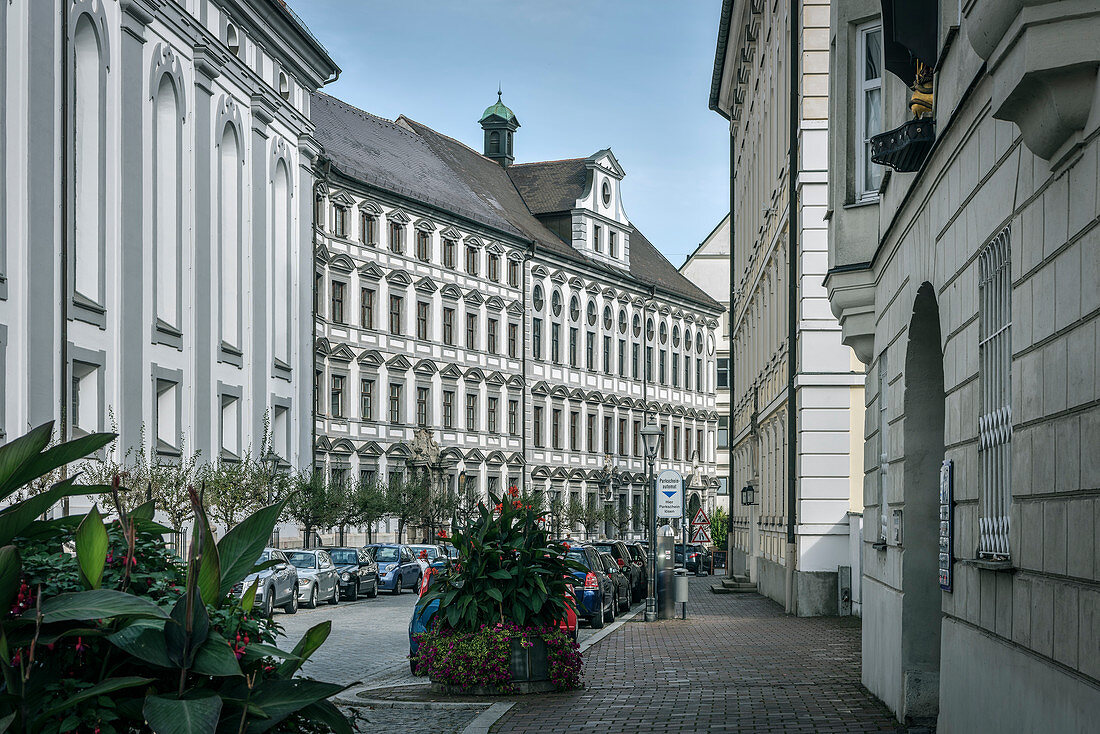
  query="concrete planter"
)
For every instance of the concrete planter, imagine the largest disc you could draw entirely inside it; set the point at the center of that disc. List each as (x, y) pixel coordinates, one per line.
(528, 667)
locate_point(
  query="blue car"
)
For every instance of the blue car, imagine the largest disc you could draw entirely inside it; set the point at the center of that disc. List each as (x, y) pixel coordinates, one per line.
(422, 617)
(594, 590)
(397, 568)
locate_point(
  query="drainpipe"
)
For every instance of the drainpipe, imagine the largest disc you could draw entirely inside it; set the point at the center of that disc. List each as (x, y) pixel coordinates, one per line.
(792, 314)
(66, 140)
(730, 370)
(529, 257)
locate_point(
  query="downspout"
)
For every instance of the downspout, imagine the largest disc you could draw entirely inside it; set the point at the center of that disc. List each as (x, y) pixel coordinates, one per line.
(792, 314)
(66, 139)
(321, 167)
(530, 256)
(730, 372)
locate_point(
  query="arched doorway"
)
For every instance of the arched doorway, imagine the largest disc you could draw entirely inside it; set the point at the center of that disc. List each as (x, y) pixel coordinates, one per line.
(924, 451)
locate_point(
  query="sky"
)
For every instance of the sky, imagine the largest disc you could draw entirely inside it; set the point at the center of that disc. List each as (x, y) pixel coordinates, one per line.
(580, 75)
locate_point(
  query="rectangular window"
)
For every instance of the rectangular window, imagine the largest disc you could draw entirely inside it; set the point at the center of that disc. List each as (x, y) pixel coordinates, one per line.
(395, 403)
(491, 335)
(513, 417)
(167, 416)
(448, 409)
(723, 432)
(622, 358)
(634, 349)
(699, 386)
(319, 293)
(608, 435)
(636, 438)
(318, 391)
(319, 211)
(513, 273)
(423, 399)
(676, 442)
(448, 253)
(366, 399)
(397, 238)
(555, 427)
(471, 259)
(607, 354)
(574, 430)
(368, 229)
(723, 373)
(596, 244)
(622, 437)
(471, 412)
(340, 221)
(422, 320)
(536, 338)
(555, 343)
(664, 440)
(513, 340)
(336, 397)
(366, 308)
(675, 369)
(537, 424)
(337, 312)
(395, 314)
(491, 415)
(868, 108)
(612, 246)
(995, 381)
(687, 372)
(661, 366)
(590, 350)
(494, 267)
(424, 246)
(471, 331)
(231, 425)
(573, 347)
(449, 326)
(590, 430)
(649, 363)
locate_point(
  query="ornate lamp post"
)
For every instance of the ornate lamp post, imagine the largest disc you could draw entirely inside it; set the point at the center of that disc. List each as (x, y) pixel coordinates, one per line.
(270, 461)
(651, 435)
(609, 481)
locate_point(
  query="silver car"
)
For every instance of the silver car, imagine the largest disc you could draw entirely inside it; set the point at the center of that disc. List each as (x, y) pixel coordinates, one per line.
(277, 586)
(317, 577)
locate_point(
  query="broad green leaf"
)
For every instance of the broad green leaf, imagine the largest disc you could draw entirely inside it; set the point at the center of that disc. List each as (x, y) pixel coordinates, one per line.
(257, 650)
(197, 715)
(209, 565)
(327, 713)
(108, 686)
(144, 640)
(215, 657)
(500, 574)
(51, 528)
(91, 548)
(281, 698)
(5, 723)
(39, 462)
(18, 516)
(314, 637)
(16, 453)
(184, 636)
(144, 511)
(97, 604)
(248, 599)
(10, 571)
(495, 594)
(240, 548)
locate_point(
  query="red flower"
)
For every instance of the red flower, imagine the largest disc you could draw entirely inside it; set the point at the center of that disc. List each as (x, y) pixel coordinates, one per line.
(441, 534)
(513, 491)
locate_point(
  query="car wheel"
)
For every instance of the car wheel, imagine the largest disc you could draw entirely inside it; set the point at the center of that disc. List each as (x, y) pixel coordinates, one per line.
(373, 589)
(311, 600)
(598, 617)
(396, 587)
(269, 603)
(611, 609)
(291, 607)
(353, 591)
(335, 594)
(624, 603)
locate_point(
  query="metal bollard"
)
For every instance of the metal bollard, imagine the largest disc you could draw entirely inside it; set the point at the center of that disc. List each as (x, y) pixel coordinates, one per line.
(681, 595)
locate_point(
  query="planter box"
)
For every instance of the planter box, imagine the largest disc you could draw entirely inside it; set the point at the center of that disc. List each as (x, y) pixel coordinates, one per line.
(529, 669)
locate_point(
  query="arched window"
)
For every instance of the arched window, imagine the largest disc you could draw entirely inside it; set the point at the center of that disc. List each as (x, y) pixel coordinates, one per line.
(89, 157)
(280, 292)
(232, 40)
(284, 86)
(537, 299)
(229, 176)
(167, 192)
(555, 303)
(494, 142)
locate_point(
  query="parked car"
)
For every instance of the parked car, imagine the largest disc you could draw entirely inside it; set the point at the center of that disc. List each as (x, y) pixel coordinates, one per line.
(696, 559)
(633, 570)
(422, 617)
(623, 590)
(317, 577)
(641, 556)
(425, 554)
(277, 585)
(358, 572)
(397, 567)
(594, 590)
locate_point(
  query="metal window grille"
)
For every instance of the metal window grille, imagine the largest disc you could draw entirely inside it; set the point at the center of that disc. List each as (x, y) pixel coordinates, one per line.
(995, 380)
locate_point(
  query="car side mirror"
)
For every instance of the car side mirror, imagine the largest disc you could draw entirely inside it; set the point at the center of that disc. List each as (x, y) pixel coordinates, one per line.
(281, 567)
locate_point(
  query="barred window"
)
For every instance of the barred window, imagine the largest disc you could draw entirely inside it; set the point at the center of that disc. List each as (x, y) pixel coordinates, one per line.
(995, 381)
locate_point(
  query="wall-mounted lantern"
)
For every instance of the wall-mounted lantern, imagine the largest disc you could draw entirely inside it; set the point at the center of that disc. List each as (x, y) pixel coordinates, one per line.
(748, 494)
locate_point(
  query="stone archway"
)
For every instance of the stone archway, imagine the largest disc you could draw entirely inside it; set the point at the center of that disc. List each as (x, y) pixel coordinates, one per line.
(923, 437)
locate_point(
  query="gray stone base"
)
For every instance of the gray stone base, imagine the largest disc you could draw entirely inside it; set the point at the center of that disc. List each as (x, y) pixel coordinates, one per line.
(538, 686)
(815, 592)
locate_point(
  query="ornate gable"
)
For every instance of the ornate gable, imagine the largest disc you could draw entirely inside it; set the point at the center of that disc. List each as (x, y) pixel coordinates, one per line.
(474, 297)
(558, 277)
(426, 285)
(495, 378)
(398, 216)
(474, 375)
(539, 271)
(515, 309)
(593, 288)
(559, 391)
(341, 198)
(540, 388)
(370, 448)
(321, 253)
(515, 380)
(495, 458)
(370, 358)
(398, 450)
(343, 446)
(370, 271)
(425, 367)
(398, 277)
(450, 292)
(516, 459)
(425, 225)
(474, 456)
(368, 206)
(495, 303)
(399, 362)
(540, 472)
(342, 353)
(322, 346)
(342, 263)
(450, 233)
(450, 372)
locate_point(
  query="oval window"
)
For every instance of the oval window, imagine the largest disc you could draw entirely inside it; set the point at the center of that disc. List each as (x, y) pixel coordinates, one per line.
(574, 308)
(606, 193)
(676, 335)
(591, 313)
(687, 339)
(555, 303)
(537, 299)
(664, 332)
(637, 325)
(699, 343)
(649, 329)
(608, 319)
(622, 321)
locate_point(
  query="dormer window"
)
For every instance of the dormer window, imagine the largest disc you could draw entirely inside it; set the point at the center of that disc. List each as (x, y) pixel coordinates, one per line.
(606, 194)
(232, 40)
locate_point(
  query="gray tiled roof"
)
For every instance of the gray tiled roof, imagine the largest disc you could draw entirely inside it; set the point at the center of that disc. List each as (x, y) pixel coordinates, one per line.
(550, 186)
(414, 161)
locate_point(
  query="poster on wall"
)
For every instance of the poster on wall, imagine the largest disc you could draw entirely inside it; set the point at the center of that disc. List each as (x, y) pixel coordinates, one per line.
(947, 522)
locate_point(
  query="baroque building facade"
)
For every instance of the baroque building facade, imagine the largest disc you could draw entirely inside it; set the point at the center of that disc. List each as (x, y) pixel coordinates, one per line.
(966, 276)
(796, 390)
(513, 310)
(155, 222)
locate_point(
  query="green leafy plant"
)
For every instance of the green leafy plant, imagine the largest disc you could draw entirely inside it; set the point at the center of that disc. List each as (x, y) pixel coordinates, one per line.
(104, 629)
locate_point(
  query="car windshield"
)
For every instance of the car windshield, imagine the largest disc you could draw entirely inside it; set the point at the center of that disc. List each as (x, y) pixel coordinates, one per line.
(265, 556)
(302, 560)
(430, 552)
(344, 557)
(386, 555)
(578, 555)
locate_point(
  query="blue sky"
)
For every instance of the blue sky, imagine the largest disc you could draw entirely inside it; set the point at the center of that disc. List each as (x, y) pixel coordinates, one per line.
(581, 75)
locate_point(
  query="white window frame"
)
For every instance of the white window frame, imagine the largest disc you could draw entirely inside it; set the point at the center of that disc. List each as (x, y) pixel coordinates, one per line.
(863, 86)
(995, 384)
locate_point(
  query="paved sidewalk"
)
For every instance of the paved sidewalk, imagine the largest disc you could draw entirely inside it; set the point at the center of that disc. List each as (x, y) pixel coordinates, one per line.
(737, 664)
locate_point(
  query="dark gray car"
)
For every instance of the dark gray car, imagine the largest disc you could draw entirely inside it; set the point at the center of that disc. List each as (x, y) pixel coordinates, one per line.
(358, 572)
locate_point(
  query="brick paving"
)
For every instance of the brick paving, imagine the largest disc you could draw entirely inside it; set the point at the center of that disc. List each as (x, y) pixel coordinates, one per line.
(737, 664)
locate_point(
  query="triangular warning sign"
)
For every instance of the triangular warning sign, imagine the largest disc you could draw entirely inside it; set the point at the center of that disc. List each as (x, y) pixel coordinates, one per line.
(700, 518)
(700, 534)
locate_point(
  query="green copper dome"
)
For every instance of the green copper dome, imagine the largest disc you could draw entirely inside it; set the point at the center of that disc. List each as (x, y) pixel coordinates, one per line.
(499, 109)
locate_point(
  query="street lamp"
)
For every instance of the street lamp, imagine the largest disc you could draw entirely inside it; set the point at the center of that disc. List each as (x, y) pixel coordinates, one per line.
(651, 435)
(270, 461)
